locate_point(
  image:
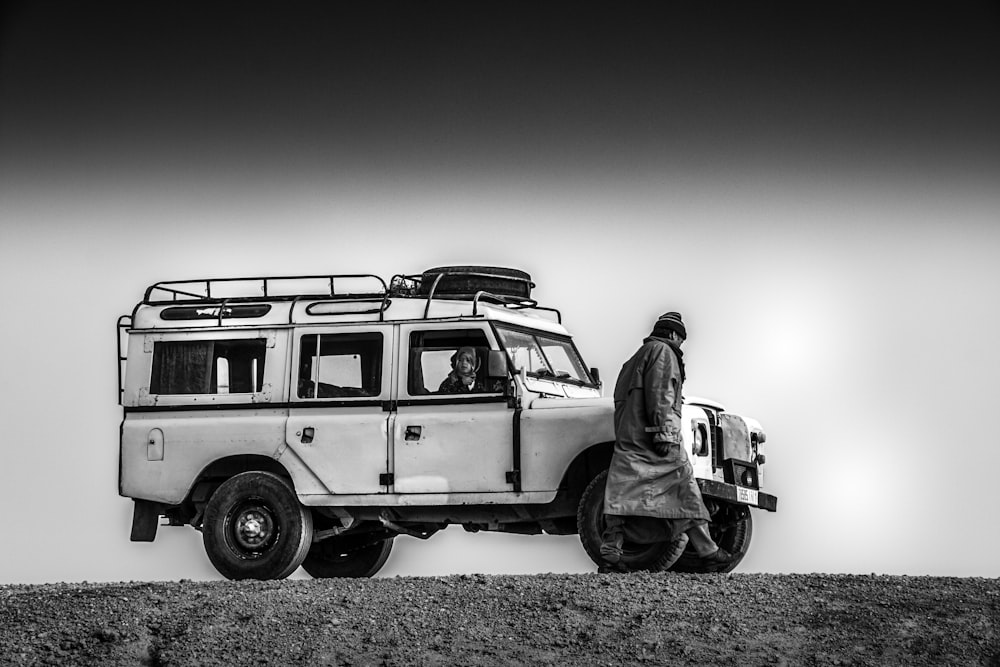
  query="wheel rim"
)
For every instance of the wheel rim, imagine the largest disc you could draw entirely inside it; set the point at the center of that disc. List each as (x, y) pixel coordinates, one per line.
(251, 529)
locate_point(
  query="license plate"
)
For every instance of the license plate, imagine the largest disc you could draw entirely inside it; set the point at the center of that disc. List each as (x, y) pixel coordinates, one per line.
(748, 496)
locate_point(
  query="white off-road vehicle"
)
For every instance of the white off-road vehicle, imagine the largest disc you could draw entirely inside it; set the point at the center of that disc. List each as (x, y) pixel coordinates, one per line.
(307, 421)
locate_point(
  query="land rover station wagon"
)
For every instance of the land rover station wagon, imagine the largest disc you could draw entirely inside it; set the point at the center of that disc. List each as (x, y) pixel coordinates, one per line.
(307, 421)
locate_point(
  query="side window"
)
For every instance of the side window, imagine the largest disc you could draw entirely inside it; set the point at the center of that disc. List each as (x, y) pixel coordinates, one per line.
(340, 365)
(208, 366)
(449, 362)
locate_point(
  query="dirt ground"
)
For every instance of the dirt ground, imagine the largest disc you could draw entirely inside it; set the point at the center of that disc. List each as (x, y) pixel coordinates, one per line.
(590, 619)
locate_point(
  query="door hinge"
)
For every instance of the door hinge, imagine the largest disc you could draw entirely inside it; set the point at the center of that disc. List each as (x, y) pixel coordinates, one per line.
(514, 477)
(387, 479)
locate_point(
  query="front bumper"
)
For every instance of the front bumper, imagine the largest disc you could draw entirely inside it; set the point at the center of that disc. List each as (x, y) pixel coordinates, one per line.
(729, 493)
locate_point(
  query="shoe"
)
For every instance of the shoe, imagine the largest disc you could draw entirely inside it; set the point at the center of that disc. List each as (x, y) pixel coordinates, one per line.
(674, 551)
(612, 553)
(719, 557)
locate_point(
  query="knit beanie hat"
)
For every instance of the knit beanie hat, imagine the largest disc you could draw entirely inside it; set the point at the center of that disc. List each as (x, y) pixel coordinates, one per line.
(669, 322)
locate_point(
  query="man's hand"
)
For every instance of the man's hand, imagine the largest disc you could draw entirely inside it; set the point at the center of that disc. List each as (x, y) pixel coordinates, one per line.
(662, 442)
(663, 448)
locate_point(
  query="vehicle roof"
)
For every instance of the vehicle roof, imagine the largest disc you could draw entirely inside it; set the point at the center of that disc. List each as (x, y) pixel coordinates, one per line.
(458, 293)
(191, 315)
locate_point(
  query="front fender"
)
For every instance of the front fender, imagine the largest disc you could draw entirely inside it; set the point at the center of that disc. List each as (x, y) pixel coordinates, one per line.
(554, 432)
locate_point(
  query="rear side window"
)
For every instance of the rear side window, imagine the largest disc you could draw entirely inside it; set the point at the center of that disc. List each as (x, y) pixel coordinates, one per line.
(340, 365)
(208, 366)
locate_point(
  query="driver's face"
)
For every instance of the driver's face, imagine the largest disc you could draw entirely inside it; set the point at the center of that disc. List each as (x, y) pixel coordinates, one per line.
(465, 365)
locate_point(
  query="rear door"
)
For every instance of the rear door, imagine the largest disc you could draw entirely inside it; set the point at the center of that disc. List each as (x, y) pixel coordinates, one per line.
(338, 417)
(445, 440)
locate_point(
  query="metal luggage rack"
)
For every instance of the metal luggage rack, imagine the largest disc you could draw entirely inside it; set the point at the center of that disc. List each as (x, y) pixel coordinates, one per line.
(272, 288)
(513, 303)
(124, 322)
(226, 291)
(414, 286)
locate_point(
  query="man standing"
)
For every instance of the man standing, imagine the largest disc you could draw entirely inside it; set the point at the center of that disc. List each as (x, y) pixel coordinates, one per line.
(650, 475)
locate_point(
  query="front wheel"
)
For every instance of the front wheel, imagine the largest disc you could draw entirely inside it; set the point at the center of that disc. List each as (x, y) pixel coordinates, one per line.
(255, 527)
(590, 524)
(337, 557)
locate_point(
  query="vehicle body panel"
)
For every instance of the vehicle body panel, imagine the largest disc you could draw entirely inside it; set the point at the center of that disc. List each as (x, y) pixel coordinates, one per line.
(348, 449)
(552, 436)
(344, 442)
(452, 448)
(191, 441)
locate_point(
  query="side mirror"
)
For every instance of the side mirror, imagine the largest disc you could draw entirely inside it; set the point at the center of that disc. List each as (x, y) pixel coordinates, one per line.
(596, 375)
(496, 364)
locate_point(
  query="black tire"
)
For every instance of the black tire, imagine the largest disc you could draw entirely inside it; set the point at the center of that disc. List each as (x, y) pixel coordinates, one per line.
(590, 525)
(467, 280)
(255, 527)
(731, 528)
(330, 558)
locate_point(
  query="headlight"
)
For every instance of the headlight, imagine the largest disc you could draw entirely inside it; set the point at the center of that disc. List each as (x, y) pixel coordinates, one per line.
(699, 444)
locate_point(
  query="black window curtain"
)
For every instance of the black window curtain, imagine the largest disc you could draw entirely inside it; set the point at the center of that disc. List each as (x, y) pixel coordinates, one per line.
(183, 367)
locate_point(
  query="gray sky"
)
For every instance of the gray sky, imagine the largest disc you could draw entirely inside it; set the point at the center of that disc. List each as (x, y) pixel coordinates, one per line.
(816, 193)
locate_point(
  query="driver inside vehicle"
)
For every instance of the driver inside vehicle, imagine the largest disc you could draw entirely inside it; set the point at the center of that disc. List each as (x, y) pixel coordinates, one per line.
(463, 378)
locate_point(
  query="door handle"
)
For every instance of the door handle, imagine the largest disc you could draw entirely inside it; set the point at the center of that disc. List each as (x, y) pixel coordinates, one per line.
(307, 434)
(413, 433)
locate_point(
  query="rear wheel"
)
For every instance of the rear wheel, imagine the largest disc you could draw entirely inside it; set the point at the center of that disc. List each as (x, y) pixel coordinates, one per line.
(590, 524)
(337, 557)
(255, 527)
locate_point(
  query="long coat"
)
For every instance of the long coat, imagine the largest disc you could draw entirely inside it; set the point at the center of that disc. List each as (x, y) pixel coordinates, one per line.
(648, 403)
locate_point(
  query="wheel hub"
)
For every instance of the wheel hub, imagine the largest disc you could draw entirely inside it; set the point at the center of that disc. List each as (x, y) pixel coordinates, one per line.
(254, 527)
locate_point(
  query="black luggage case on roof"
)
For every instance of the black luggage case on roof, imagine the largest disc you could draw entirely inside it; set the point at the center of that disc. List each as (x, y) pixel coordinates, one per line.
(465, 281)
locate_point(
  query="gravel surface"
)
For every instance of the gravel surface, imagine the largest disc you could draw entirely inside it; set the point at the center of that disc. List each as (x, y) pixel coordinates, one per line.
(590, 619)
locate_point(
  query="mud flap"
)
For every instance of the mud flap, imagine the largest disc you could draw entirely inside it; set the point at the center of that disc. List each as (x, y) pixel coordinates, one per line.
(145, 519)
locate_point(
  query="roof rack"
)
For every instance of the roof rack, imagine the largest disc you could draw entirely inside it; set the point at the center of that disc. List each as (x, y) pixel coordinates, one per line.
(507, 288)
(513, 303)
(273, 288)
(124, 322)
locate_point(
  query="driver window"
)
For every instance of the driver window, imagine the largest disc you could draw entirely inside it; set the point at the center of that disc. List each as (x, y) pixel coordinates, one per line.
(450, 362)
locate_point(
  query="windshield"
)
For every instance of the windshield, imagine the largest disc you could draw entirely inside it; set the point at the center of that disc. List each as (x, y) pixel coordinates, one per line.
(543, 355)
